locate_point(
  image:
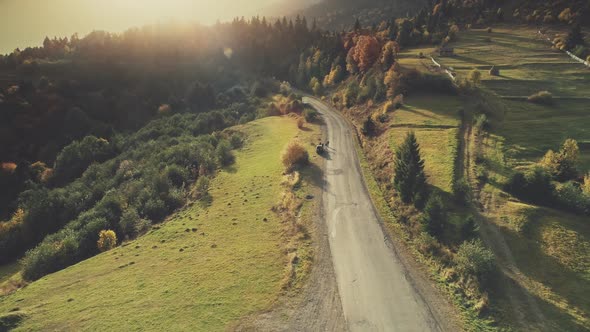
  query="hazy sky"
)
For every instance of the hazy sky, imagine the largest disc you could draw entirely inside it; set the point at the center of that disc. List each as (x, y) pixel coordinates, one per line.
(27, 22)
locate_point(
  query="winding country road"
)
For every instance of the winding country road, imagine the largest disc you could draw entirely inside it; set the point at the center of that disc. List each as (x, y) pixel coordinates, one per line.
(374, 285)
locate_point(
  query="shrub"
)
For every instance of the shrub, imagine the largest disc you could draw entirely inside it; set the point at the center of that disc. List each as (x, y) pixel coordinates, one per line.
(201, 187)
(434, 218)
(300, 123)
(132, 224)
(155, 209)
(427, 244)
(481, 122)
(176, 175)
(572, 198)
(236, 141)
(351, 93)
(175, 198)
(295, 155)
(223, 153)
(11, 320)
(489, 30)
(310, 115)
(534, 186)
(55, 253)
(468, 228)
(563, 164)
(369, 127)
(461, 191)
(475, 259)
(316, 86)
(541, 97)
(107, 240)
(76, 157)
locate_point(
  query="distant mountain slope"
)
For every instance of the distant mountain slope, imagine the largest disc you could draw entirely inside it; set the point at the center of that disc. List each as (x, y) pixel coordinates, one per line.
(341, 14)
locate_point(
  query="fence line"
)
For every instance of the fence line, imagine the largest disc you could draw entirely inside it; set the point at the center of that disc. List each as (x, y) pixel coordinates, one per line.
(573, 56)
(446, 70)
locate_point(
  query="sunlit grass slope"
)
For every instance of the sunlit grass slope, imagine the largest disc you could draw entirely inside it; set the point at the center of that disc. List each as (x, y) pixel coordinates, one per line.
(550, 247)
(202, 270)
(435, 120)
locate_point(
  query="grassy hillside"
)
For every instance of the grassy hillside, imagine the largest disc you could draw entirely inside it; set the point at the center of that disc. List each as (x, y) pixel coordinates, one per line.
(528, 65)
(206, 267)
(549, 248)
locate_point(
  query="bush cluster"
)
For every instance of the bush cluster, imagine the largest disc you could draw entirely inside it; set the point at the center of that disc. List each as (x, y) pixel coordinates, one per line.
(534, 186)
(294, 155)
(126, 194)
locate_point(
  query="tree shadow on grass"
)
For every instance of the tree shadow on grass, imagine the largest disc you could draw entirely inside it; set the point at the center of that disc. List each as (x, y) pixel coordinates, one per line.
(472, 60)
(548, 271)
(232, 169)
(415, 111)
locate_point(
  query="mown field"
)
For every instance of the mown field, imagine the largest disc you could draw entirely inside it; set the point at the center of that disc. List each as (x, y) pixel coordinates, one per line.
(549, 247)
(205, 268)
(527, 65)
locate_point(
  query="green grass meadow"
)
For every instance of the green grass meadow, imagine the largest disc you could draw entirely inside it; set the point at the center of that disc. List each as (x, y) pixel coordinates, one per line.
(435, 120)
(204, 269)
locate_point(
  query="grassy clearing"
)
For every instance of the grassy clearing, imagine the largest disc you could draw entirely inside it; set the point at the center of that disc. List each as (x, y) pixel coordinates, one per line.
(439, 150)
(435, 119)
(428, 110)
(202, 270)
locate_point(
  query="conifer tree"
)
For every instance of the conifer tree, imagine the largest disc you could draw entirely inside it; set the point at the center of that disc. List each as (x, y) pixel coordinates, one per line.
(409, 179)
(574, 38)
(357, 25)
(434, 218)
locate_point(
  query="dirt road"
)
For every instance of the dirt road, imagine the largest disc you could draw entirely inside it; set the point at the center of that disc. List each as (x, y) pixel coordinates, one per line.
(374, 286)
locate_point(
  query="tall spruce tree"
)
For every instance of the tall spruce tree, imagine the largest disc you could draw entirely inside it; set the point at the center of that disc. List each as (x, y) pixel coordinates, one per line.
(409, 179)
(434, 218)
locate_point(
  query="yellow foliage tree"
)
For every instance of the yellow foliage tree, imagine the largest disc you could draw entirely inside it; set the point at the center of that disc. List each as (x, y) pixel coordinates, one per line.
(565, 15)
(562, 164)
(570, 151)
(107, 240)
(550, 161)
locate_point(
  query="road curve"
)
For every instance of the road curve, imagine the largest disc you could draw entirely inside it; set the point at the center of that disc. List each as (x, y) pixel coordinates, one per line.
(373, 284)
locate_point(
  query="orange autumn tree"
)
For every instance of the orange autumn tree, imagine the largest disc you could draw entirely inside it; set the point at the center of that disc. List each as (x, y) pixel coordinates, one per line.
(366, 52)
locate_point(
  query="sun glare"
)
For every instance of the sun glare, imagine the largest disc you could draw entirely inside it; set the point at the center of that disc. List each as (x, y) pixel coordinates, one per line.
(27, 22)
